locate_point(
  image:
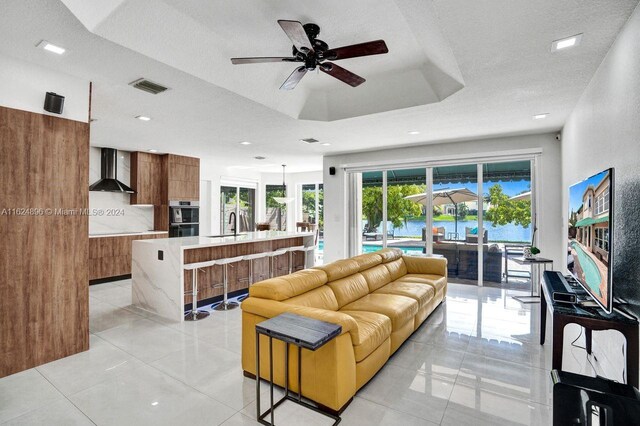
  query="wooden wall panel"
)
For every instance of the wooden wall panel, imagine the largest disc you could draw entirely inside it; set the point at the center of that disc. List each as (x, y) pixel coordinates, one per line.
(44, 166)
(209, 278)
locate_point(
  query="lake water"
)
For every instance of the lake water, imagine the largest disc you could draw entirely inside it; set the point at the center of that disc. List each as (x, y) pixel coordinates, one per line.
(509, 232)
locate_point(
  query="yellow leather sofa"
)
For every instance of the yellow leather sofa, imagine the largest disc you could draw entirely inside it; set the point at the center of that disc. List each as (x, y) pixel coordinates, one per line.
(379, 299)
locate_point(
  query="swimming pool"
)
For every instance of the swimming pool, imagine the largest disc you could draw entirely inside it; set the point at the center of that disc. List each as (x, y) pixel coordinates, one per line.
(370, 248)
(591, 272)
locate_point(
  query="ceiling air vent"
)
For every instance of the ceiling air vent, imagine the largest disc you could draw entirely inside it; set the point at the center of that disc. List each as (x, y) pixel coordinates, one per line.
(309, 140)
(148, 86)
(260, 157)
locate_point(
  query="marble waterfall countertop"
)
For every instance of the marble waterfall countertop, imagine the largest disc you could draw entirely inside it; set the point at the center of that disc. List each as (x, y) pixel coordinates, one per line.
(200, 242)
(126, 234)
(158, 267)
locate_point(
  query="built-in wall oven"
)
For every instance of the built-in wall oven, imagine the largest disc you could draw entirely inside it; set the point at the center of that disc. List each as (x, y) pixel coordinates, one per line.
(184, 219)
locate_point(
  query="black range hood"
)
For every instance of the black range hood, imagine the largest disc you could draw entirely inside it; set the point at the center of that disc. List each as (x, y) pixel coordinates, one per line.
(108, 174)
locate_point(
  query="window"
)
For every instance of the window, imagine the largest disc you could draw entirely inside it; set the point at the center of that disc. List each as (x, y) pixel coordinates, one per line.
(602, 202)
(602, 239)
(276, 212)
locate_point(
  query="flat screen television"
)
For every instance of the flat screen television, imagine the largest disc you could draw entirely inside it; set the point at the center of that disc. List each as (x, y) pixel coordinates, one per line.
(590, 239)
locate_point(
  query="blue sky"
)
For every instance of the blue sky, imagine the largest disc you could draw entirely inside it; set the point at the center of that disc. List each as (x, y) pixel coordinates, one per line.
(509, 188)
(576, 191)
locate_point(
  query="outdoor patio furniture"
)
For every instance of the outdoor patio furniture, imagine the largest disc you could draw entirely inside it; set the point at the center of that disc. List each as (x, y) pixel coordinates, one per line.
(438, 235)
(462, 260)
(515, 250)
(378, 232)
(470, 237)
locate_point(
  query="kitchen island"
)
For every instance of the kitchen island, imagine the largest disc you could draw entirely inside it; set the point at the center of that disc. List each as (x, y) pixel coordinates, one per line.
(162, 286)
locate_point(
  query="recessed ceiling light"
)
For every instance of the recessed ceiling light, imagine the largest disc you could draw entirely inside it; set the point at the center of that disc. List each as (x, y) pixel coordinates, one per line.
(143, 118)
(566, 43)
(414, 132)
(245, 143)
(540, 116)
(326, 144)
(152, 150)
(51, 47)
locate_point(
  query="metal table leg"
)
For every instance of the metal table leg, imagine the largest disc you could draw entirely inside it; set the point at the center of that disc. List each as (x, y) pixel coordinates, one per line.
(535, 272)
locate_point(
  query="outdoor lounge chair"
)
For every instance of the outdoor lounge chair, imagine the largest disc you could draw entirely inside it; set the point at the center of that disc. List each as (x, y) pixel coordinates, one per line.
(378, 232)
(470, 237)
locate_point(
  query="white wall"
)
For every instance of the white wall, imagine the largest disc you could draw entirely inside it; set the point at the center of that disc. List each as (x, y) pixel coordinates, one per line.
(549, 211)
(604, 131)
(124, 217)
(23, 86)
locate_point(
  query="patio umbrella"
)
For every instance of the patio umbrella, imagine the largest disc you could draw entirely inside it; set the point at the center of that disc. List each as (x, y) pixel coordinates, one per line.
(446, 196)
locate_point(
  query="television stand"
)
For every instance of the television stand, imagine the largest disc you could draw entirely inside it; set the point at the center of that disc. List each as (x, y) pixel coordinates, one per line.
(591, 319)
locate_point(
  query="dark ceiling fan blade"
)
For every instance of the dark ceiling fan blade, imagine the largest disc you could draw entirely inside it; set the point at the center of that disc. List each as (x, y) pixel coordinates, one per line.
(293, 80)
(377, 47)
(297, 34)
(342, 74)
(260, 60)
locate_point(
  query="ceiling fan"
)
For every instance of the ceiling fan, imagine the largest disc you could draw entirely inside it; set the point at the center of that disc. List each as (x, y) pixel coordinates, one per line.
(311, 51)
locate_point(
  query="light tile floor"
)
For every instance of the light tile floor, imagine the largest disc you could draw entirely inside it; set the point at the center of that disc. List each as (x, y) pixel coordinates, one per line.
(475, 361)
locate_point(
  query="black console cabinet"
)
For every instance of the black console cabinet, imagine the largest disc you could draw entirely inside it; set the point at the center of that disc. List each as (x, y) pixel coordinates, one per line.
(582, 400)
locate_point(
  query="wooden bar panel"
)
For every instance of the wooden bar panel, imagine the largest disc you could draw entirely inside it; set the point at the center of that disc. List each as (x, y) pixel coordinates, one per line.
(111, 256)
(209, 278)
(44, 309)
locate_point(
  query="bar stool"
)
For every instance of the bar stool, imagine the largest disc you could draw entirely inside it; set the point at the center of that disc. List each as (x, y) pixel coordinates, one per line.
(195, 314)
(302, 249)
(272, 258)
(291, 251)
(225, 305)
(250, 258)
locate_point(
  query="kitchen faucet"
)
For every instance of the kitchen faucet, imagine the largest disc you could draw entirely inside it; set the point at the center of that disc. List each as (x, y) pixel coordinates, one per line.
(232, 216)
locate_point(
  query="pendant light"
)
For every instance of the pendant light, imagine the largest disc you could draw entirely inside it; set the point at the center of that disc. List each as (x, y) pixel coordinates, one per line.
(283, 200)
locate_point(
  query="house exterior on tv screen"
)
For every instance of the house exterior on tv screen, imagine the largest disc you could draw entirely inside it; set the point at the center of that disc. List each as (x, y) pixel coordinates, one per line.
(592, 226)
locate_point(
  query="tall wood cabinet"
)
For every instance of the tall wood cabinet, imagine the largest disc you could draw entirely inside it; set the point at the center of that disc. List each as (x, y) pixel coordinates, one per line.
(44, 229)
(146, 178)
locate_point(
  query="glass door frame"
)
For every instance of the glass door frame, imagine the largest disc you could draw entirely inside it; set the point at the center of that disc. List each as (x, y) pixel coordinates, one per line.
(238, 186)
(353, 190)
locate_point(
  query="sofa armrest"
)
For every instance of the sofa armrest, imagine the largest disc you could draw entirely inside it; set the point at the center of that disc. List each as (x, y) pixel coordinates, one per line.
(270, 308)
(426, 265)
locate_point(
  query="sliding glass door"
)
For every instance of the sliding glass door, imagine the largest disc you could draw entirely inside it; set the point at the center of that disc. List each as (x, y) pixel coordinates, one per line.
(476, 215)
(242, 202)
(276, 212)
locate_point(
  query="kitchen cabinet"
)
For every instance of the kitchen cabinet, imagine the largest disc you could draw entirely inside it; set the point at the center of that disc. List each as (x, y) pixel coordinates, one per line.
(183, 178)
(146, 178)
(110, 256)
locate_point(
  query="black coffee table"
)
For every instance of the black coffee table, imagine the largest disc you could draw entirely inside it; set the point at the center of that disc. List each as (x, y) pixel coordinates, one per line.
(303, 332)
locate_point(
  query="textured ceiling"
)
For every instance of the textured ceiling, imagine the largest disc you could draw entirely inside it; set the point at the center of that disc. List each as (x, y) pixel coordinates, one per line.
(501, 47)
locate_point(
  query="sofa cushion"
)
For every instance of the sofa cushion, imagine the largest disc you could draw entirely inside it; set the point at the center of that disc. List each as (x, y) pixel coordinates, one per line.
(399, 309)
(389, 254)
(349, 289)
(372, 330)
(368, 260)
(436, 281)
(322, 297)
(377, 277)
(288, 286)
(339, 269)
(396, 268)
(425, 265)
(422, 293)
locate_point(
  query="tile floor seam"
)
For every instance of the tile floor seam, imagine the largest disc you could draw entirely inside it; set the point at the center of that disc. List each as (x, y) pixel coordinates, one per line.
(65, 397)
(197, 390)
